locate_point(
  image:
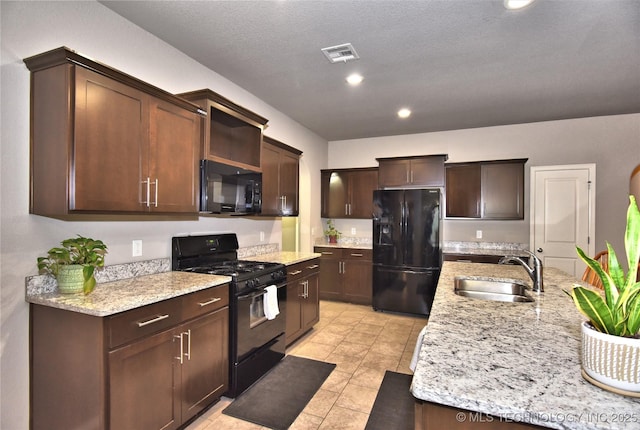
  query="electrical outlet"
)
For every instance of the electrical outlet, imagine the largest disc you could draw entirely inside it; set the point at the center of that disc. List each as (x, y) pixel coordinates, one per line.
(478, 234)
(262, 236)
(353, 231)
(136, 248)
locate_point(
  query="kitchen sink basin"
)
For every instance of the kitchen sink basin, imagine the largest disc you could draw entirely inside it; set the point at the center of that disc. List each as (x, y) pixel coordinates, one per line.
(498, 290)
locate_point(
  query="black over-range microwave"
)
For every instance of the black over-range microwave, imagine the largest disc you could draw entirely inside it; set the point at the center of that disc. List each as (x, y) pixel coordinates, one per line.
(229, 190)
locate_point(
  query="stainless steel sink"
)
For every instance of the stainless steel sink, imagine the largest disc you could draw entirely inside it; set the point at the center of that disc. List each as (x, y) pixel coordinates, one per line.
(499, 290)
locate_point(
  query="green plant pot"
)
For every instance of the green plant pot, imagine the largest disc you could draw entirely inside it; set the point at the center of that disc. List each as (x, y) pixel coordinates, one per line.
(70, 279)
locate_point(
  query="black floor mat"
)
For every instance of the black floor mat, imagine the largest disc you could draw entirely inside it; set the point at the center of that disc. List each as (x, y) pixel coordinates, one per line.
(394, 405)
(278, 397)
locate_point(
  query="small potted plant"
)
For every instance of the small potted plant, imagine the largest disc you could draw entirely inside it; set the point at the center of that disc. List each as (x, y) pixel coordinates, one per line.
(74, 263)
(332, 232)
(611, 337)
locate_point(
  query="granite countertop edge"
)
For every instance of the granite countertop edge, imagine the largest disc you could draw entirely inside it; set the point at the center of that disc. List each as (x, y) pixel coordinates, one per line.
(519, 361)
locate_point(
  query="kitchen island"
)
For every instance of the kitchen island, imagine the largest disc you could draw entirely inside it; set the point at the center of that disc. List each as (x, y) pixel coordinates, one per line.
(514, 362)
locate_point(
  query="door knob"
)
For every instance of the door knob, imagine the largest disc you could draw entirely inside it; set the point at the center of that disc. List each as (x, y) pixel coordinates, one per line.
(539, 250)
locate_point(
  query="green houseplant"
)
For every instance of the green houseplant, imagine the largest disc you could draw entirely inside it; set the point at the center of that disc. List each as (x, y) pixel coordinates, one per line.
(615, 318)
(332, 232)
(73, 264)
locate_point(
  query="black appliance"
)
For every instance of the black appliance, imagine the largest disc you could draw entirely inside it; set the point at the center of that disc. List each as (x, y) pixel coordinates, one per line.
(256, 343)
(407, 255)
(229, 190)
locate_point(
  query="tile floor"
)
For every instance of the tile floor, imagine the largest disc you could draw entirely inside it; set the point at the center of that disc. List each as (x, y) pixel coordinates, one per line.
(363, 344)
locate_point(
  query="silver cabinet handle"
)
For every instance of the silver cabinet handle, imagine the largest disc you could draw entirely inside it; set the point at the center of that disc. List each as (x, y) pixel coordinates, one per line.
(152, 320)
(356, 254)
(148, 191)
(326, 253)
(315, 266)
(297, 272)
(412, 176)
(344, 267)
(188, 354)
(180, 357)
(215, 299)
(284, 207)
(408, 176)
(157, 184)
(346, 208)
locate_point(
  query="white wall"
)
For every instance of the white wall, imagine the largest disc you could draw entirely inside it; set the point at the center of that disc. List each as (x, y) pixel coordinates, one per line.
(612, 142)
(29, 28)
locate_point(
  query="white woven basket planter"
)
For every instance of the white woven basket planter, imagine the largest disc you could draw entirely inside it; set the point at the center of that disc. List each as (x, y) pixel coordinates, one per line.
(613, 361)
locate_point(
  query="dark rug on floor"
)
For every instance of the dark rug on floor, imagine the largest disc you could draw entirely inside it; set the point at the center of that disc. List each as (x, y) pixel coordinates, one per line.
(394, 405)
(278, 397)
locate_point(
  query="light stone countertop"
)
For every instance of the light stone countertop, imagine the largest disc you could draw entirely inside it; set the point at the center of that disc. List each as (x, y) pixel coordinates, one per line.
(520, 361)
(285, 257)
(109, 298)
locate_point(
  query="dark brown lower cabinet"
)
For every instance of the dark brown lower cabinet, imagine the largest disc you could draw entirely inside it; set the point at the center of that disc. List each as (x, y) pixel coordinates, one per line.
(153, 367)
(345, 274)
(430, 416)
(303, 303)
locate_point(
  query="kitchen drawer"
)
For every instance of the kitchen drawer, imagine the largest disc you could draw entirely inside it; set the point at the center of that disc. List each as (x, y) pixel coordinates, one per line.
(137, 323)
(310, 267)
(205, 301)
(357, 254)
(295, 272)
(329, 251)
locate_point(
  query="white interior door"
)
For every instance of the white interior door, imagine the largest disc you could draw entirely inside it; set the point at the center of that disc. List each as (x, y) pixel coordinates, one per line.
(563, 215)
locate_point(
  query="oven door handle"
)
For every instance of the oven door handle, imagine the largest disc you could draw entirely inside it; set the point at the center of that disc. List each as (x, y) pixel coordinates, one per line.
(257, 293)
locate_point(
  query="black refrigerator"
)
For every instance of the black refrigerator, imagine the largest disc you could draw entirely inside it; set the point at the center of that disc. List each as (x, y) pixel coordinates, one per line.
(407, 254)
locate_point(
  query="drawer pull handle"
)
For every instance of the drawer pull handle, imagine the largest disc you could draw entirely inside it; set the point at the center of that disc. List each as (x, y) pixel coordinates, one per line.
(297, 272)
(153, 320)
(326, 253)
(215, 299)
(315, 266)
(356, 255)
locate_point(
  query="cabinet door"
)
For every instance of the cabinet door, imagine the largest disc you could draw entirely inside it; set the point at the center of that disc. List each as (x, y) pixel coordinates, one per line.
(294, 312)
(143, 378)
(205, 367)
(394, 173)
(311, 302)
(289, 182)
(173, 163)
(330, 269)
(336, 195)
(111, 125)
(357, 277)
(271, 202)
(463, 191)
(363, 183)
(427, 171)
(503, 191)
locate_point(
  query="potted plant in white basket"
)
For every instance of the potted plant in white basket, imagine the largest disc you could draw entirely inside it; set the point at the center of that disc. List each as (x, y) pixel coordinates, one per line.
(611, 337)
(73, 265)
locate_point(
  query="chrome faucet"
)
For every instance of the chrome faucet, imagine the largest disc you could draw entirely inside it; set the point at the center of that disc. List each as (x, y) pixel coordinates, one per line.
(535, 273)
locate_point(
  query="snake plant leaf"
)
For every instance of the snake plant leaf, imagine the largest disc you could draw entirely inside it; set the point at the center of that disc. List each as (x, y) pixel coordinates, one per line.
(633, 323)
(611, 291)
(593, 306)
(632, 240)
(615, 269)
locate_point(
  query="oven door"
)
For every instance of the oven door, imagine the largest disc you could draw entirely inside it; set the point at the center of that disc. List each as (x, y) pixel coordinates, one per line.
(254, 330)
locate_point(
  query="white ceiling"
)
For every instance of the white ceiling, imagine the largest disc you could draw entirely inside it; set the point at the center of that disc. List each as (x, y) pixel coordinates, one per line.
(455, 63)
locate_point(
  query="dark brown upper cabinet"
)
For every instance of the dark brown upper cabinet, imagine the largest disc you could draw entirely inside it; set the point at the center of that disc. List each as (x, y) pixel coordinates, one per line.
(420, 171)
(231, 134)
(104, 142)
(485, 189)
(280, 178)
(348, 193)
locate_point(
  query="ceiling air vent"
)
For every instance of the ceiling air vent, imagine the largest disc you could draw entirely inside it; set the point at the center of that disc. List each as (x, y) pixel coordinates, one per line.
(340, 53)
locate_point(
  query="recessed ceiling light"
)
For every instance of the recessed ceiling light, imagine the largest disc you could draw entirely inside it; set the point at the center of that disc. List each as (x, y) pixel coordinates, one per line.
(517, 4)
(404, 113)
(354, 79)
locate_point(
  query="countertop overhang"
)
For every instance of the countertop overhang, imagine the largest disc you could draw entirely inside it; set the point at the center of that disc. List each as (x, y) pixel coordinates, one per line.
(519, 361)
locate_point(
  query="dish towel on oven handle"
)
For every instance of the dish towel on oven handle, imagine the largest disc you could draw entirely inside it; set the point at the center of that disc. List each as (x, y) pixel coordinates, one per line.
(271, 302)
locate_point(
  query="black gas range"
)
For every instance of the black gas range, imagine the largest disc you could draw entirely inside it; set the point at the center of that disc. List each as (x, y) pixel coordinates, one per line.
(256, 337)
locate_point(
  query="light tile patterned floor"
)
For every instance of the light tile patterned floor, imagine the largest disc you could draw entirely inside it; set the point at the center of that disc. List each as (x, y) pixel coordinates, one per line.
(363, 344)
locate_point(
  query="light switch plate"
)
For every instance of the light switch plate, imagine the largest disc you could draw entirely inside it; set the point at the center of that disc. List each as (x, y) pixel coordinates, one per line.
(478, 234)
(136, 248)
(353, 231)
